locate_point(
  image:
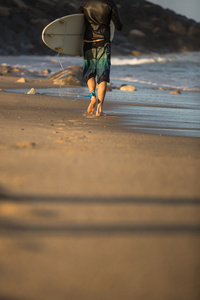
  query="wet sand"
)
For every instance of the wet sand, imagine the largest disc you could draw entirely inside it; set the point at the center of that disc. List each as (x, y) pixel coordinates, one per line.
(90, 209)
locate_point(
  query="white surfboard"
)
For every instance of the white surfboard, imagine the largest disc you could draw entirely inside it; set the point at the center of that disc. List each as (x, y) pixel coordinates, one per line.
(65, 35)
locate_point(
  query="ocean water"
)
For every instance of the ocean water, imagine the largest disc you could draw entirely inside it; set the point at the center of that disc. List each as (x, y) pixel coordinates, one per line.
(176, 71)
(151, 108)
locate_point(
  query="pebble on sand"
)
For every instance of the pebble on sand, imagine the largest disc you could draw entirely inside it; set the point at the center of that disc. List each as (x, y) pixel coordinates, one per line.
(21, 80)
(130, 88)
(25, 145)
(175, 92)
(32, 92)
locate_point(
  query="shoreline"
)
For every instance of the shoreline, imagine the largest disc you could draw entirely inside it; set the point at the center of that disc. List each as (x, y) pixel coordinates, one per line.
(151, 110)
(59, 122)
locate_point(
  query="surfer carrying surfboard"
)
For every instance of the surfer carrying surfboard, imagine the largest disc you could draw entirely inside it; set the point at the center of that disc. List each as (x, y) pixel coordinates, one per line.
(97, 48)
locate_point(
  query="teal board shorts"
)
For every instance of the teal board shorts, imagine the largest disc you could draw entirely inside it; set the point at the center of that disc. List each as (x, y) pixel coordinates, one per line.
(97, 60)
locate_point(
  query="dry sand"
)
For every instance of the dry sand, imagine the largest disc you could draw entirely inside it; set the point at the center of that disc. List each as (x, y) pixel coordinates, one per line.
(91, 210)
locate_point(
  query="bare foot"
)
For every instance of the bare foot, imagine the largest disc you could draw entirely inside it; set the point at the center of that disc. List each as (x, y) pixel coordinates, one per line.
(92, 105)
(99, 111)
(101, 114)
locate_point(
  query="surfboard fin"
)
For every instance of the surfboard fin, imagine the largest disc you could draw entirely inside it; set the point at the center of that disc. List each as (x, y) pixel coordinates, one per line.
(58, 49)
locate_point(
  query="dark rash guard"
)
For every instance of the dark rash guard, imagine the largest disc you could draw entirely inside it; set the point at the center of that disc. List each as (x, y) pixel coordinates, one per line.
(98, 14)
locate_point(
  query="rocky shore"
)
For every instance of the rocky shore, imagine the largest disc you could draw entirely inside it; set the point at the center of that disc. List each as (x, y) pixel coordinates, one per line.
(147, 27)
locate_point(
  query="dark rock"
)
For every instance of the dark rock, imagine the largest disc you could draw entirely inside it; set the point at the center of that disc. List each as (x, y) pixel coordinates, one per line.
(20, 4)
(39, 23)
(177, 27)
(164, 30)
(4, 11)
(146, 27)
(7, 70)
(193, 30)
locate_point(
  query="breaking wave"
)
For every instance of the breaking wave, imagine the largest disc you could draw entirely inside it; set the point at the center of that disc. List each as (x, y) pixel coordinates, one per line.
(117, 61)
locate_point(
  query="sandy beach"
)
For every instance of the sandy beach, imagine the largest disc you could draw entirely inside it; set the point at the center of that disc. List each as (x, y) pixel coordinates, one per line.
(90, 209)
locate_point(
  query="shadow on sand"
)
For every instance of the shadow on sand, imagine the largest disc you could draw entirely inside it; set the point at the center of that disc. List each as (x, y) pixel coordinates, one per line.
(7, 225)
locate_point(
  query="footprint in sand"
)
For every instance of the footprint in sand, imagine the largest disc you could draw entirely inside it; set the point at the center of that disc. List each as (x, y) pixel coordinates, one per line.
(60, 124)
(89, 116)
(25, 145)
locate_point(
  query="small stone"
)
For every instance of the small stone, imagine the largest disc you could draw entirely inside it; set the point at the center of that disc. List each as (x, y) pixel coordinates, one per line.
(15, 69)
(175, 92)
(25, 145)
(130, 88)
(32, 92)
(45, 72)
(21, 80)
(135, 53)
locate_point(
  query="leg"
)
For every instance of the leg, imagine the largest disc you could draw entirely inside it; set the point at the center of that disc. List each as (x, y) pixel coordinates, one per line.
(92, 86)
(103, 75)
(101, 96)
